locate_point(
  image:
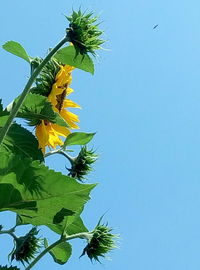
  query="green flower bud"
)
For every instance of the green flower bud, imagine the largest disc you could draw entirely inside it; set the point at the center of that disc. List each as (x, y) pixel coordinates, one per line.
(26, 247)
(83, 33)
(81, 165)
(101, 242)
(44, 82)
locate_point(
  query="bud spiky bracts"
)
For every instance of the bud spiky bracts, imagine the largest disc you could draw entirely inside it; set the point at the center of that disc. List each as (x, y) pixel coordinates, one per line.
(46, 79)
(101, 242)
(83, 33)
(26, 247)
(81, 165)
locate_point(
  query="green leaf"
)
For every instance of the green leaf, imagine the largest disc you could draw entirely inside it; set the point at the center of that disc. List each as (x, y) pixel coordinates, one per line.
(76, 226)
(59, 217)
(36, 108)
(68, 56)
(46, 190)
(3, 115)
(22, 142)
(16, 49)
(61, 253)
(11, 199)
(70, 224)
(78, 138)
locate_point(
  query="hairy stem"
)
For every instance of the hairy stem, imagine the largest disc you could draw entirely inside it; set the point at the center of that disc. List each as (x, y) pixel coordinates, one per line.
(10, 232)
(61, 152)
(84, 235)
(26, 90)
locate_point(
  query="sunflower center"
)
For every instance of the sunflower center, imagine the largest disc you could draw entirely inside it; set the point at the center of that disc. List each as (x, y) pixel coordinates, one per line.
(60, 98)
(46, 122)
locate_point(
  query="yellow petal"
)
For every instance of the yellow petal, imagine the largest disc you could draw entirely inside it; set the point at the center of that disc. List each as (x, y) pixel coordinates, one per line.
(42, 135)
(70, 118)
(69, 90)
(64, 75)
(73, 117)
(61, 131)
(69, 103)
(54, 140)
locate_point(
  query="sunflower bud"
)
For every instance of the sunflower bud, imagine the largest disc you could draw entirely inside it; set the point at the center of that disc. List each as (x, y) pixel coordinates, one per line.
(26, 247)
(101, 242)
(83, 33)
(81, 165)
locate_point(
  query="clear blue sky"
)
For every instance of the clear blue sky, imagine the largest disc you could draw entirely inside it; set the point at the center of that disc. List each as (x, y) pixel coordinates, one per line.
(144, 103)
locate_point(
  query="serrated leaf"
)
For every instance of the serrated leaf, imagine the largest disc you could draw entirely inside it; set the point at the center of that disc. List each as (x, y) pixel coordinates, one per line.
(68, 56)
(78, 138)
(36, 108)
(9, 268)
(35, 182)
(22, 142)
(16, 49)
(61, 253)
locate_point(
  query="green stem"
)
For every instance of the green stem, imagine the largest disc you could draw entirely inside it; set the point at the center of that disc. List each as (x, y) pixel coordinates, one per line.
(84, 235)
(61, 152)
(10, 232)
(26, 90)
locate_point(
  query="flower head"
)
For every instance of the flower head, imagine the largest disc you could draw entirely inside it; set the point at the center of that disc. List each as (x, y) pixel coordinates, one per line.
(26, 247)
(83, 33)
(81, 165)
(54, 83)
(101, 242)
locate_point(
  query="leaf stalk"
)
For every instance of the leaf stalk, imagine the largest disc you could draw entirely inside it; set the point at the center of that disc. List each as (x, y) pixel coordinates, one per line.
(10, 232)
(61, 152)
(64, 238)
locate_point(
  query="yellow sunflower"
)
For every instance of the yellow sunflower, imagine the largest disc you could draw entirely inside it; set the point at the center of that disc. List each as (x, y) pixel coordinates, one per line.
(48, 133)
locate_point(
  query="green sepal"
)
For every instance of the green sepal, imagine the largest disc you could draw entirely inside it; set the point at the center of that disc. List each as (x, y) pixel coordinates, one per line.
(16, 49)
(82, 164)
(78, 138)
(46, 79)
(83, 32)
(26, 247)
(68, 56)
(61, 253)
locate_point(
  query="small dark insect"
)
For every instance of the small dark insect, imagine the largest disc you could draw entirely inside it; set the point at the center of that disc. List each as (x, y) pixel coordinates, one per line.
(155, 26)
